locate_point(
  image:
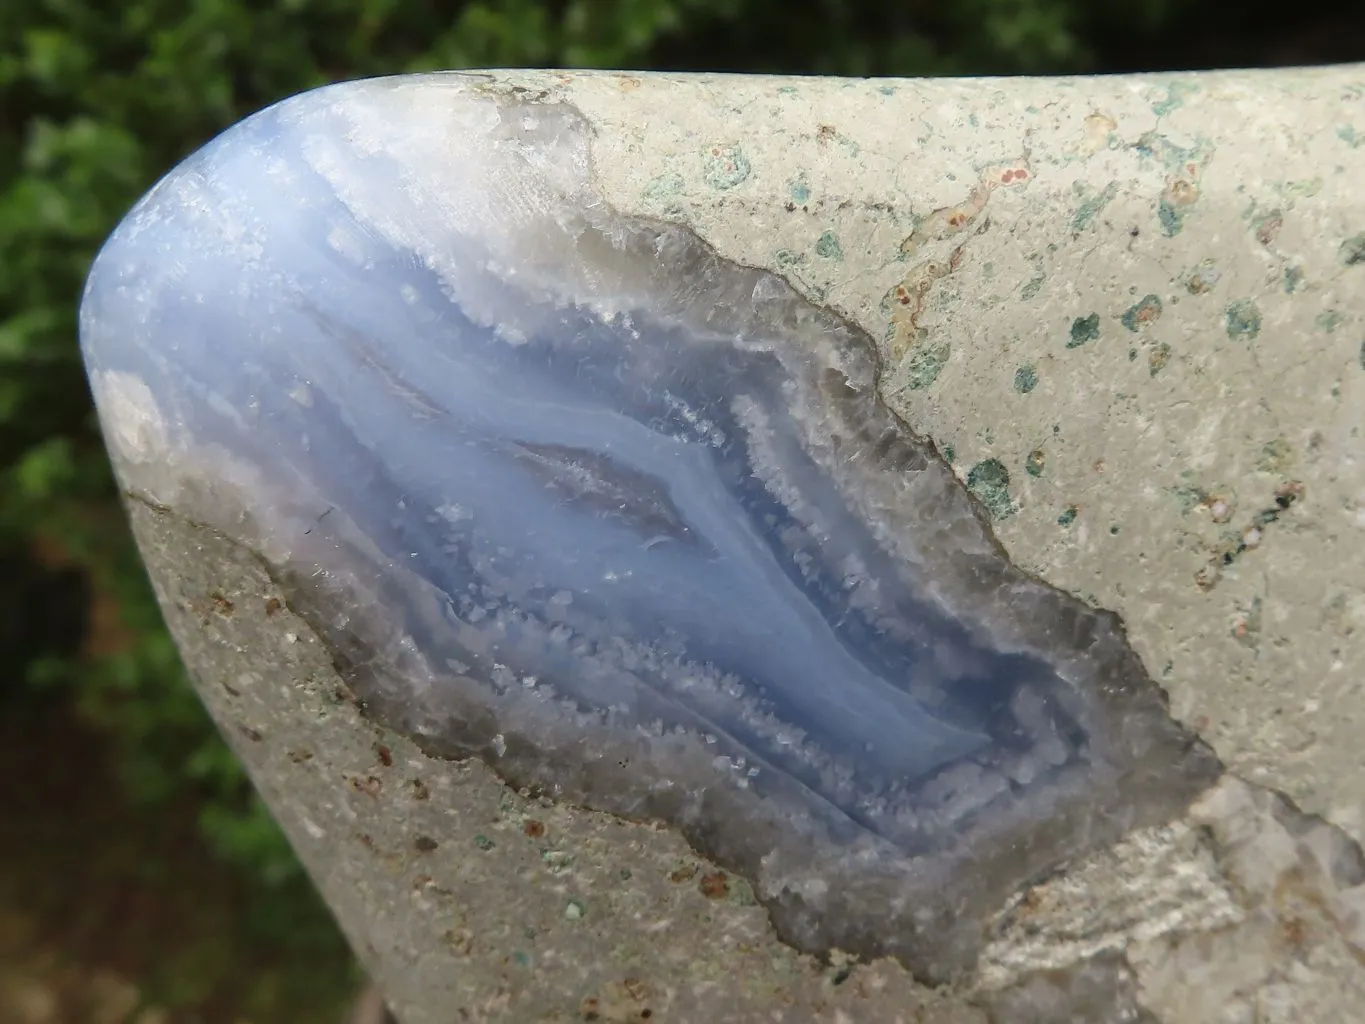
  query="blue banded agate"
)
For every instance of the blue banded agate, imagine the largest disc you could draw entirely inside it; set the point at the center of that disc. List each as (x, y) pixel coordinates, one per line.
(568, 491)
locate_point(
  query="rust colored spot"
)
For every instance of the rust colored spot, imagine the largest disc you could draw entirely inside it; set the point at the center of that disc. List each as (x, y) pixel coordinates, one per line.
(682, 873)
(1269, 228)
(1295, 931)
(714, 885)
(590, 1008)
(419, 790)
(384, 754)
(533, 828)
(1182, 192)
(273, 605)
(221, 603)
(369, 785)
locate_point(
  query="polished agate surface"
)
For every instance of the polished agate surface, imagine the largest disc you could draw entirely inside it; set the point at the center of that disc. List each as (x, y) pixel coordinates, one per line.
(566, 491)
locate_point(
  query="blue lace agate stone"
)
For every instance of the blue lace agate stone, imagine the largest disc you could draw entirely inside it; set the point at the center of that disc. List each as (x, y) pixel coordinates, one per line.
(566, 491)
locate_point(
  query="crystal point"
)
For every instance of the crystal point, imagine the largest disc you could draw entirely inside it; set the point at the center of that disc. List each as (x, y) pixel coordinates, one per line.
(565, 490)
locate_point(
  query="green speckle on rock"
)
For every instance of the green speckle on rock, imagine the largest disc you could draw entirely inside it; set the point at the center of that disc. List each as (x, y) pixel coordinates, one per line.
(989, 480)
(724, 166)
(799, 189)
(483, 842)
(1146, 310)
(786, 258)
(574, 910)
(1293, 277)
(1034, 462)
(1091, 207)
(1243, 319)
(664, 187)
(949, 453)
(1025, 379)
(924, 365)
(1068, 515)
(557, 861)
(1032, 286)
(1176, 94)
(1158, 358)
(1188, 495)
(1083, 329)
(1328, 320)
(1170, 218)
(1352, 251)
(1306, 188)
(742, 892)
(827, 247)
(1276, 456)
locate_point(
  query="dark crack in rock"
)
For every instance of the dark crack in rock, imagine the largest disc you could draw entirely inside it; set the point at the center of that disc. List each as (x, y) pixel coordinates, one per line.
(567, 491)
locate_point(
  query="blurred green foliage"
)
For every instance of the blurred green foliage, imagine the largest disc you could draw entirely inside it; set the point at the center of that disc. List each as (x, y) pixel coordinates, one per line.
(97, 99)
